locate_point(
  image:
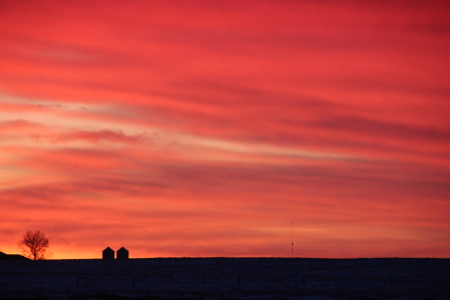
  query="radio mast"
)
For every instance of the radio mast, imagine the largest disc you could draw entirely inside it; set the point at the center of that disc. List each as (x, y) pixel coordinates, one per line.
(292, 239)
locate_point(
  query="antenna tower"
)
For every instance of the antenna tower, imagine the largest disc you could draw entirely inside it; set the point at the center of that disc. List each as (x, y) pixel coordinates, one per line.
(292, 239)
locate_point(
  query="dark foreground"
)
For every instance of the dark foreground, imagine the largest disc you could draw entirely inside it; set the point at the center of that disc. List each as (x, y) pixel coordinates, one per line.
(227, 278)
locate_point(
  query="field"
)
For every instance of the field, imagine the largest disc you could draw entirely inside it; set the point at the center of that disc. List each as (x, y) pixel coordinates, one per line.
(227, 278)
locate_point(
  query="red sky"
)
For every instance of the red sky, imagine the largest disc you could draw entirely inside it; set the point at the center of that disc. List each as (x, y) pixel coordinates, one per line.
(192, 128)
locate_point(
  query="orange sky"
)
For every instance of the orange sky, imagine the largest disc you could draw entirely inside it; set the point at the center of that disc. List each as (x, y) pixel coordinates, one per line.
(192, 128)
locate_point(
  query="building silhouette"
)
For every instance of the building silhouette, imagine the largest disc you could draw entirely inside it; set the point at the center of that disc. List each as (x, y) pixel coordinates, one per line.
(122, 253)
(108, 253)
(4, 256)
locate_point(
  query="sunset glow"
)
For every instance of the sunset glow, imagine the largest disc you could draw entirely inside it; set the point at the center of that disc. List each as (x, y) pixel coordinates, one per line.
(187, 128)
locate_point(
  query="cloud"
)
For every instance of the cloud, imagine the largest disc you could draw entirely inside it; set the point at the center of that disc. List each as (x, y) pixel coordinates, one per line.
(97, 136)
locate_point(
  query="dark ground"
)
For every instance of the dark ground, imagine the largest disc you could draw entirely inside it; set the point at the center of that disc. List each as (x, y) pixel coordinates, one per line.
(227, 278)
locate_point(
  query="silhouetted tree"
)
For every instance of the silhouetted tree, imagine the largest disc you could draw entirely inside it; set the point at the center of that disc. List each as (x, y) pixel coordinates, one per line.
(34, 245)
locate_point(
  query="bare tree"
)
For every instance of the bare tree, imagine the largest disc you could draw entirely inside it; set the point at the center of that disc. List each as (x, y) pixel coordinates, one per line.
(34, 245)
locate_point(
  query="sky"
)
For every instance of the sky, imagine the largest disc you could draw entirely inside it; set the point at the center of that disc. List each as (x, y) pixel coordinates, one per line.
(226, 128)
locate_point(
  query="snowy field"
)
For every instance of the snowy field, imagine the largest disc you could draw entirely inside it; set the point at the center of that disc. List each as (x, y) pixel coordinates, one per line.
(227, 278)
